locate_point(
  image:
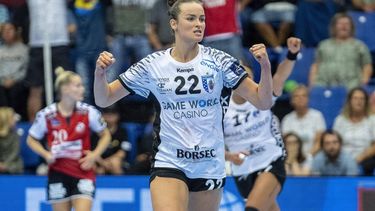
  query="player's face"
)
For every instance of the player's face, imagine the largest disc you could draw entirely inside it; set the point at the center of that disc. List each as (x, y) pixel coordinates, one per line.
(191, 22)
(75, 89)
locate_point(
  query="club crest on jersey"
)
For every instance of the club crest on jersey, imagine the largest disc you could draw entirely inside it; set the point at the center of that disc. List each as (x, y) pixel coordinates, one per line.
(80, 127)
(208, 83)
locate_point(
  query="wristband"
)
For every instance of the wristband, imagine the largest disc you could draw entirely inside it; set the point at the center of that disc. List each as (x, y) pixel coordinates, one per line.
(292, 56)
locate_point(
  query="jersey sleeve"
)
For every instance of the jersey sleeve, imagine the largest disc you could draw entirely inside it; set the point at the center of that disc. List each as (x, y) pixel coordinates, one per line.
(136, 79)
(96, 121)
(39, 127)
(233, 72)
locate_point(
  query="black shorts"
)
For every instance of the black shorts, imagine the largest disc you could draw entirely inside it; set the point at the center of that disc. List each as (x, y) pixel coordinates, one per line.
(35, 72)
(194, 185)
(246, 183)
(62, 187)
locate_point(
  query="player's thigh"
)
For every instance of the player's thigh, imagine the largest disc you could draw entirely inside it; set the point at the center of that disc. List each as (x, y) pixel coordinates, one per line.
(266, 189)
(82, 204)
(205, 200)
(169, 194)
(61, 206)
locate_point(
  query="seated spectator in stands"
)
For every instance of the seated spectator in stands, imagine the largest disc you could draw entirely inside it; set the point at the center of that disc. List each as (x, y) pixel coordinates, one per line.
(265, 13)
(13, 66)
(306, 122)
(142, 163)
(159, 33)
(312, 20)
(113, 159)
(10, 158)
(372, 104)
(341, 60)
(354, 125)
(364, 5)
(332, 160)
(296, 164)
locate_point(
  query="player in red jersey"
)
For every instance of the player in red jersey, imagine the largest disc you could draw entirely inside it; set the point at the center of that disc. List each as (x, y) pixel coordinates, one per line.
(66, 125)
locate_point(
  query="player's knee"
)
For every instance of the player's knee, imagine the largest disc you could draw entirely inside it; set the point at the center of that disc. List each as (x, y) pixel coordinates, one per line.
(251, 209)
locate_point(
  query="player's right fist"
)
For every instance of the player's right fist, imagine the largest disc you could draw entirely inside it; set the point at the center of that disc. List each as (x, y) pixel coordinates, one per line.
(104, 61)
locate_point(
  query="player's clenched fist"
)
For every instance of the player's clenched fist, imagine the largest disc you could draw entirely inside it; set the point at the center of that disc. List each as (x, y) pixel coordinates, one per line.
(260, 53)
(105, 60)
(294, 44)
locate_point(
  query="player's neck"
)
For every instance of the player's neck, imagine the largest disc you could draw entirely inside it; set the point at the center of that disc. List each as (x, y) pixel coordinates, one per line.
(66, 108)
(184, 52)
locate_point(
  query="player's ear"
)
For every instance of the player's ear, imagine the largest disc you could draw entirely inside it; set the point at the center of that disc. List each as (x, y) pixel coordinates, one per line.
(173, 24)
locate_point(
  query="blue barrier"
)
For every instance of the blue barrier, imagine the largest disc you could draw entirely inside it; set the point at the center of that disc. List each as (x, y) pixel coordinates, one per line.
(27, 193)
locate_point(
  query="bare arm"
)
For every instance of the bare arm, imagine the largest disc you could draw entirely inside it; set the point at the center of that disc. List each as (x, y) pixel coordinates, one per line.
(260, 95)
(285, 67)
(366, 73)
(38, 148)
(106, 94)
(88, 161)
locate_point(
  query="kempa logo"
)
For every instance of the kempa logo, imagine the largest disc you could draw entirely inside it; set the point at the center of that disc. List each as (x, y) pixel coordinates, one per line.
(186, 70)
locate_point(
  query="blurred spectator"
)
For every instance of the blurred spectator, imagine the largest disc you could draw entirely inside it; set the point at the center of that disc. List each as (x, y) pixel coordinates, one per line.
(306, 122)
(372, 104)
(341, 59)
(296, 164)
(364, 5)
(46, 18)
(142, 163)
(354, 124)
(90, 40)
(312, 20)
(13, 66)
(267, 13)
(332, 160)
(222, 30)
(4, 15)
(159, 32)
(128, 38)
(10, 159)
(112, 160)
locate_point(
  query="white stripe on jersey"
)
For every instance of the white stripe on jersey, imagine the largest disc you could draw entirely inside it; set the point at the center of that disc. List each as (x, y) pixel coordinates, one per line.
(188, 95)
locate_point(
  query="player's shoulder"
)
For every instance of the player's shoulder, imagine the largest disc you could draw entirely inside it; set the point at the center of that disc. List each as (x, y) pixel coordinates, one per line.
(48, 111)
(85, 108)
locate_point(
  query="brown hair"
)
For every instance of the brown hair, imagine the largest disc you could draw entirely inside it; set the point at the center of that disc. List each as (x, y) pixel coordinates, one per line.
(336, 17)
(329, 132)
(347, 110)
(174, 7)
(300, 157)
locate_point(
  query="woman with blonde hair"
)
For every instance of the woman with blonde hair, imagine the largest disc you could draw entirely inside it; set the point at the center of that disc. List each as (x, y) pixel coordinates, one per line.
(10, 158)
(66, 125)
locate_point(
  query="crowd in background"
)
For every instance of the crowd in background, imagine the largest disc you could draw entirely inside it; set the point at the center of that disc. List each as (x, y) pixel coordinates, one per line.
(78, 30)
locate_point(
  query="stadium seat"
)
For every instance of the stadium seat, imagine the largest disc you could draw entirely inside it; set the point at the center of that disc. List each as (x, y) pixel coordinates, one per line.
(328, 100)
(364, 27)
(30, 159)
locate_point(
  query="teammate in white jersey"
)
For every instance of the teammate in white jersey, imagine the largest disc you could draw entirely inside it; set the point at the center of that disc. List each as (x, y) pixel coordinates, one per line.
(254, 143)
(186, 83)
